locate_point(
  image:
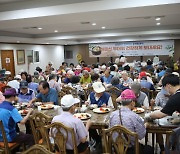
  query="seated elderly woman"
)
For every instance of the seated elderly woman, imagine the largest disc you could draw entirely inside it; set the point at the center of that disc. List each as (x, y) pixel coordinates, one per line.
(116, 83)
(86, 78)
(125, 80)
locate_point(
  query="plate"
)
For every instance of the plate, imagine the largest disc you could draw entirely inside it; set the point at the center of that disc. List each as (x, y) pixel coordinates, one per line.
(82, 116)
(23, 112)
(47, 106)
(138, 110)
(157, 108)
(101, 110)
(169, 121)
(37, 103)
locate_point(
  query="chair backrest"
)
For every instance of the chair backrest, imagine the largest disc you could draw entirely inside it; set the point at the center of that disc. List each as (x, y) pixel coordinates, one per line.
(6, 147)
(37, 149)
(60, 133)
(70, 90)
(87, 91)
(37, 121)
(115, 93)
(118, 138)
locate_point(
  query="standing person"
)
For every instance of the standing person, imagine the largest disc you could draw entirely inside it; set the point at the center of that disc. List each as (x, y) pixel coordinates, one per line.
(49, 67)
(171, 85)
(129, 119)
(10, 117)
(81, 132)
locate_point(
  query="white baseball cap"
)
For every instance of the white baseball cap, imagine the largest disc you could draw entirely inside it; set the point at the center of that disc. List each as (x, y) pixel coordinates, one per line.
(98, 87)
(68, 101)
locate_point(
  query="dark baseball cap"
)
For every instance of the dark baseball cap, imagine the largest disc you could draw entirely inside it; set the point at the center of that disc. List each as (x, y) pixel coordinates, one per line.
(10, 92)
(23, 84)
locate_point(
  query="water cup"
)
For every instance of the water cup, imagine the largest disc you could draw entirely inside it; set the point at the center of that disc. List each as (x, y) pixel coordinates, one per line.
(39, 108)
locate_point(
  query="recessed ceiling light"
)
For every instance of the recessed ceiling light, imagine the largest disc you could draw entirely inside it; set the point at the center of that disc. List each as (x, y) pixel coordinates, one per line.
(94, 24)
(158, 23)
(158, 18)
(39, 28)
(18, 41)
(103, 27)
(47, 43)
(56, 31)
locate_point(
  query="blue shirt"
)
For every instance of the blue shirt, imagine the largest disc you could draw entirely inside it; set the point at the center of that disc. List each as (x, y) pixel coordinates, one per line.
(107, 80)
(51, 96)
(102, 100)
(26, 97)
(9, 116)
(33, 86)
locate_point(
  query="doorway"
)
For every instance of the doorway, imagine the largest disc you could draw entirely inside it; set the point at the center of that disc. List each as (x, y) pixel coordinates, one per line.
(7, 61)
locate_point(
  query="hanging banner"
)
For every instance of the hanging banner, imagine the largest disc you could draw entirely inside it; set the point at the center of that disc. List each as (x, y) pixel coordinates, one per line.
(140, 48)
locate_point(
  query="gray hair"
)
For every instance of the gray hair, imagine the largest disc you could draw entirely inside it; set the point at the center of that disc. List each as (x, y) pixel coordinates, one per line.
(115, 81)
(126, 102)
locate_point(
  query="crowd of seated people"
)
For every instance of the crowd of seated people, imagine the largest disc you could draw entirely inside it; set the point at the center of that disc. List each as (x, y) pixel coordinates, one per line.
(45, 85)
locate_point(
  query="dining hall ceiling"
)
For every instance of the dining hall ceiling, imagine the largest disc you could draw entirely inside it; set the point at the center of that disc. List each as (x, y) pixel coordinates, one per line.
(70, 21)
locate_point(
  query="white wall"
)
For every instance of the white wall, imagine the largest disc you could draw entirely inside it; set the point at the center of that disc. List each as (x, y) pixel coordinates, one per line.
(54, 53)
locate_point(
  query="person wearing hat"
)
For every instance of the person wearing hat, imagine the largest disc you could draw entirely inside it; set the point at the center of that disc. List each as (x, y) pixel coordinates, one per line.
(15, 83)
(10, 117)
(141, 97)
(99, 96)
(129, 119)
(24, 93)
(46, 94)
(77, 72)
(68, 104)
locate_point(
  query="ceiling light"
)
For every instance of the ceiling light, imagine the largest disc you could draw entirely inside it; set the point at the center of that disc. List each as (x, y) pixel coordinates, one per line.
(94, 24)
(56, 31)
(158, 23)
(158, 18)
(18, 41)
(103, 27)
(39, 28)
(47, 43)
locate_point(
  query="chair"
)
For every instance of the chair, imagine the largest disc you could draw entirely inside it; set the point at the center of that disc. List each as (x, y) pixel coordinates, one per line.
(37, 121)
(37, 149)
(60, 95)
(87, 91)
(6, 147)
(115, 93)
(121, 143)
(70, 90)
(59, 133)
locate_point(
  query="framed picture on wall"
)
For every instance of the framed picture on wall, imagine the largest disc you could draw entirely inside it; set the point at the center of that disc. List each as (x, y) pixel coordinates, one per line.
(20, 57)
(36, 56)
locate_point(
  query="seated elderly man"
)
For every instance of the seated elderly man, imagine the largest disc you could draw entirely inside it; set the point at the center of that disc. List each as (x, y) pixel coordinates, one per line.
(129, 119)
(142, 99)
(67, 118)
(24, 93)
(46, 94)
(99, 96)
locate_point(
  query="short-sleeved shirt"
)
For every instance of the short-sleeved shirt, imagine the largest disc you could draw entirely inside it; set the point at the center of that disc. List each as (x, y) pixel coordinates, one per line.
(85, 80)
(172, 104)
(51, 96)
(9, 116)
(70, 121)
(27, 96)
(161, 98)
